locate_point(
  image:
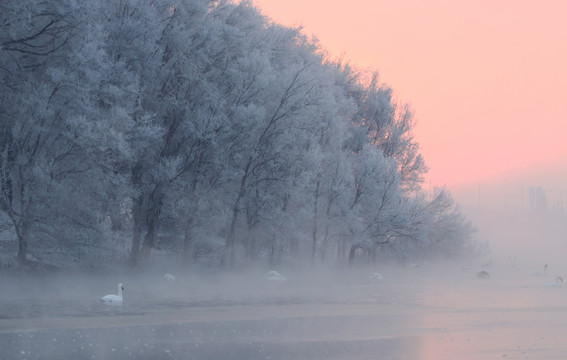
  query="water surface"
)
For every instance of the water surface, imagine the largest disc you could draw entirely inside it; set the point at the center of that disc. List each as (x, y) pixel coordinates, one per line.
(413, 313)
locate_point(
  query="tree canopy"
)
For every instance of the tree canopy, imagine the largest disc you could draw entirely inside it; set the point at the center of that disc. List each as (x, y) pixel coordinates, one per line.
(201, 130)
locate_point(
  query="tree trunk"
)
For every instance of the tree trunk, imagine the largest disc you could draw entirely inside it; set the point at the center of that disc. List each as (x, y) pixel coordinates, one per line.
(135, 250)
(314, 234)
(229, 245)
(352, 254)
(341, 248)
(276, 251)
(271, 255)
(148, 244)
(137, 230)
(325, 244)
(294, 247)
(188, 246)
(251, 247)
(23, 235)
(138, 216)
(228, 253)
(153, 225)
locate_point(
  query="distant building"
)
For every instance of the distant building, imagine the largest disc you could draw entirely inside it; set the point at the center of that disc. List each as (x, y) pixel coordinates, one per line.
(537, 199)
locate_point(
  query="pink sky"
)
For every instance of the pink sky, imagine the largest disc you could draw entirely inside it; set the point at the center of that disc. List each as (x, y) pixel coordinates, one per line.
(487, 79)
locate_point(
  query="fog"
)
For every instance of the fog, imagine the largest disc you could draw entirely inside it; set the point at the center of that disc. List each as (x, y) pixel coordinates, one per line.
(420, 311)
(386, 311)
(523, 216)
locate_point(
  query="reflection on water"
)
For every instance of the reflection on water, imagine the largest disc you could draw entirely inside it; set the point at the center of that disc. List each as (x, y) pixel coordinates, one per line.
(410, 314)
(512, 317)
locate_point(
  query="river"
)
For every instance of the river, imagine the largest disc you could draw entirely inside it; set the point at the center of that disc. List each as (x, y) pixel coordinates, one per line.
(412, 313)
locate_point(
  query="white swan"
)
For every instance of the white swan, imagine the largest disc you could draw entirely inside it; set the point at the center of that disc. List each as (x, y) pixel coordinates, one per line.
(558, 282)
(275, 276)
(544, 273)
(170, 278)
(376, 276)
(111, 298)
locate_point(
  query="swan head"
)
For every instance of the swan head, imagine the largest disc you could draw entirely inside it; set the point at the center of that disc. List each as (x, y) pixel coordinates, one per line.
(120, 289)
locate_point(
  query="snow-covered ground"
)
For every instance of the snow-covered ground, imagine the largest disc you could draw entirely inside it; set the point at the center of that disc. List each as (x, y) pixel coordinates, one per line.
(411, 313)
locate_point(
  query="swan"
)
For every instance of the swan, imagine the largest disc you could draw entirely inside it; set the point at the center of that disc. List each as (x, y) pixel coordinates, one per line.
(544, 273)
(482, 275)
(376, 276)
(275, 276)
(170, 278)
(558, 282)
(111, 298)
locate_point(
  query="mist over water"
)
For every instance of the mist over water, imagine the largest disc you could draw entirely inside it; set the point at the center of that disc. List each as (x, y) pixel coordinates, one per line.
(522, 216)
(421, 311)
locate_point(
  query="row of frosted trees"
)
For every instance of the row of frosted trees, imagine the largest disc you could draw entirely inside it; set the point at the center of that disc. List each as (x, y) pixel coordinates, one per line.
(201, 130)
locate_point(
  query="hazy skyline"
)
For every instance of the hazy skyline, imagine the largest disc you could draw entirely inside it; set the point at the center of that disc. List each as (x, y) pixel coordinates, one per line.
(485, 79)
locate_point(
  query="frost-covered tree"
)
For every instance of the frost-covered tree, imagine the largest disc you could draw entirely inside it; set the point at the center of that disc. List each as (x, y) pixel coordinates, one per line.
(388, 125)
(64, 124)
(25, 45)
(154, 41)
(270, 90)
(450, 234)
(202, 128)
